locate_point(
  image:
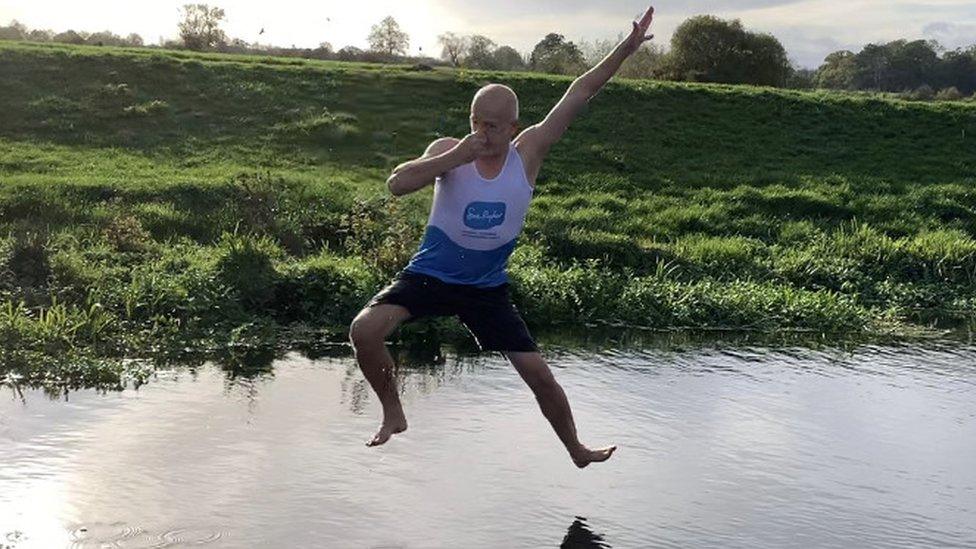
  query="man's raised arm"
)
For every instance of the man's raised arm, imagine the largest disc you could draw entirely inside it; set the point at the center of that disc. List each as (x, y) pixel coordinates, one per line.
(542, 135)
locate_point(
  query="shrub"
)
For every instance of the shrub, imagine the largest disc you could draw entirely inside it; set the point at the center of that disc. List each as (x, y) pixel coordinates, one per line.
(269, 205)
(321, 126)
(739, 305)
(721, 257)
(945, 256)
(256, 196)
(325, 289)
(581, 292)
(24, 260)
(126, 234)
(245, 264)
(612, 249)
(180, 287)
(921, 93)
(951, 93)
(379, 231)
(56, 328)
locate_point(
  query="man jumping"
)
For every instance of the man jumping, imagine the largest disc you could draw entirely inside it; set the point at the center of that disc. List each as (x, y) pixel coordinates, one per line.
(482, 188)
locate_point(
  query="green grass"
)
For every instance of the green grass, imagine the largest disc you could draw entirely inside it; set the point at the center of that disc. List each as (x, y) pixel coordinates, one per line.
(150, 196)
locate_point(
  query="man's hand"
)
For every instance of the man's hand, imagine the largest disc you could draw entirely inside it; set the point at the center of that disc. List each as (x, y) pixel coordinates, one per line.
(639, 34)
(536, 140)
(473, 146)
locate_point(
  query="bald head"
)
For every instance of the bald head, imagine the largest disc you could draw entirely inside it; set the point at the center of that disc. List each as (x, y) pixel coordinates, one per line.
(496, 101)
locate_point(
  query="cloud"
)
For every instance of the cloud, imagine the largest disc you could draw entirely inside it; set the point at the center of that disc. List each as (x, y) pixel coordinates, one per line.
(808, 29)
(951, 35)
(622, 9)
(806, 47)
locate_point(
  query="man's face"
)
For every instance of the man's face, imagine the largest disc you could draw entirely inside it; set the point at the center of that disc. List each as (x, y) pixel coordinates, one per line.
(497, 128)
(494, 113)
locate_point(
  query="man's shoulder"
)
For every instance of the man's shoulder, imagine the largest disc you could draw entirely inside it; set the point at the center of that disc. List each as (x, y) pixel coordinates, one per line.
(529, 143)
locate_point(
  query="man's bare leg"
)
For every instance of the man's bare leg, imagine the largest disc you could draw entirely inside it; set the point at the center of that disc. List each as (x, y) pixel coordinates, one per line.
(368, 333)
(552, 400)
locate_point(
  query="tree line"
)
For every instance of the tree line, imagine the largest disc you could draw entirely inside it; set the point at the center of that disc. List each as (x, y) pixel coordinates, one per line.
(704, 48)
(918, 67)
(19, 31)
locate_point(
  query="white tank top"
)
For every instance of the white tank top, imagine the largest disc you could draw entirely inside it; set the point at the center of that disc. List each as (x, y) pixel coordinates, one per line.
(474, 223)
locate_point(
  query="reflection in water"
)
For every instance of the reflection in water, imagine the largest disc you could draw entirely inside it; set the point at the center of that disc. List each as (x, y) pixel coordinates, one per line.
(580, 536)
(723, 445)
(247, 363)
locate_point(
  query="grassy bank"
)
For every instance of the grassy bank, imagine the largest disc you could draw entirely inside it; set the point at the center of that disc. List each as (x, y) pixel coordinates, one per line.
(150, 197)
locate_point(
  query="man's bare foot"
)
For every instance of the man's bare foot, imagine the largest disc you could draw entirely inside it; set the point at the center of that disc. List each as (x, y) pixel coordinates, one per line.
(584, 456)
(388, 429)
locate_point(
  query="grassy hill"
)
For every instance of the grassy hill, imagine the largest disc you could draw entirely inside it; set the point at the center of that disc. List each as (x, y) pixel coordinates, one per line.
(149, 194)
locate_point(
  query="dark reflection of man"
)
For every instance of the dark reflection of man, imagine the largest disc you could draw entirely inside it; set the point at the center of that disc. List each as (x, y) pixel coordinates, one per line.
(579, 536)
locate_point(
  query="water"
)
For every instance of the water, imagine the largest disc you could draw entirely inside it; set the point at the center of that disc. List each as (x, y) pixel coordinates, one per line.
(720, 446)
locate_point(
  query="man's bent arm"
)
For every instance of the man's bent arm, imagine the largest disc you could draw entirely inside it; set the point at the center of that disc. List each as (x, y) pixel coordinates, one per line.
(440, 157)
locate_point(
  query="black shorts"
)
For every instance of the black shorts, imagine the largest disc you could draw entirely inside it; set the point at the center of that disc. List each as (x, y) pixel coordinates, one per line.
(488, 313)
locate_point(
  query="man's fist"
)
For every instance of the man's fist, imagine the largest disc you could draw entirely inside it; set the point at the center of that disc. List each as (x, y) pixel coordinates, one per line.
(473, 146)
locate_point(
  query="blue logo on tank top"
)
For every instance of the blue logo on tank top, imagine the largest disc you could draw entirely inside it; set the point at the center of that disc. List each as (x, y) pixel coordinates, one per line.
(484, 215)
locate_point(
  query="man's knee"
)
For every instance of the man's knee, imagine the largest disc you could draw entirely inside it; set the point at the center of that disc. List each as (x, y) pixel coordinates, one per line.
(373, 324)
(364, 330)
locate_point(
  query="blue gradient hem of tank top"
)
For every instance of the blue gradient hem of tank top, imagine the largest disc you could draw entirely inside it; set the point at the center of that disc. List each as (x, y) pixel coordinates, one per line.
(441, 257)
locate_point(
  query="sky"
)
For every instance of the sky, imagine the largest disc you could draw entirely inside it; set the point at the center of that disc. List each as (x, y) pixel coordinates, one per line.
(809, 29)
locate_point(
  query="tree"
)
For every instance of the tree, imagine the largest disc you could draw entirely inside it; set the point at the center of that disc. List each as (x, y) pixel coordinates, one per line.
(802, 79)
(480, 53)
(507, 58)
(350, 53)
(134, 40)
(238, 45)
(69, 37)
(105, 38)
(900, 66)
(386, 37)
(763, 60)
(872, 64)
(40, 35)
(910, 64)
(14, 31)
(200, 27)
(839, 71)
(702, 49)
(646, 62)
(594, 52)
(958, 69)
(710, 49)
(454, 47)
(555, 55)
